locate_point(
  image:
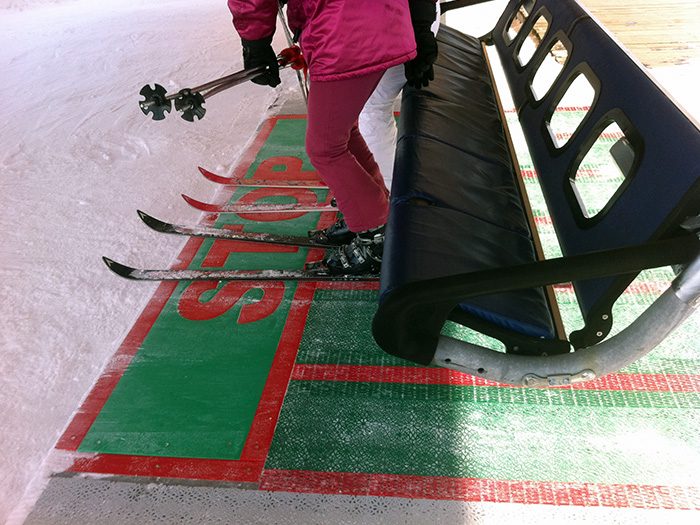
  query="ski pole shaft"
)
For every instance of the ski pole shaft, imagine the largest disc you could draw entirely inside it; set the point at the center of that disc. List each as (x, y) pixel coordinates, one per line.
(245, 73)
(221, 84)
(241, 76)
(291, 42)
(251, 74)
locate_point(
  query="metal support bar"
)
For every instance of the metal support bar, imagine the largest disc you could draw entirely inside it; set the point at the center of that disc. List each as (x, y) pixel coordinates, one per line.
(639, 338)
(687, 284)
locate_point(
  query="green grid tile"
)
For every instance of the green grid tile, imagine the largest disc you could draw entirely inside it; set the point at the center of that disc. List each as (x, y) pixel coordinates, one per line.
(486, 433)
(339, 331)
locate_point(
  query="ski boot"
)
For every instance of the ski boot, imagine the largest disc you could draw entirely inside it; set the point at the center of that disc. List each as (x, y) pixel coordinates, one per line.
(337, 233)
(361, 256)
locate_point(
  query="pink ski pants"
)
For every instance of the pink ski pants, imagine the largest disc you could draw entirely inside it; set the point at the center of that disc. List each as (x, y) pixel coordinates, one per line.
(339, 153)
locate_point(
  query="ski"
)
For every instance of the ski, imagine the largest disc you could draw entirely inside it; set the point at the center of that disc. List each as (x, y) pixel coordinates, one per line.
(217, 233)
(245, 183)
(257, 208)
(313, 274)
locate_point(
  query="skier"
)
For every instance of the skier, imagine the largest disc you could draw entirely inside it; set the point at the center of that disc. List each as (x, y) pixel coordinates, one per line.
(348, 44)
(377, 123)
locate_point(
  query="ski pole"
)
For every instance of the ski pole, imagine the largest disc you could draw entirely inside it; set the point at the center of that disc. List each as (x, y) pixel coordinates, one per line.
(230, 78)
(291, 42)
(190, 101)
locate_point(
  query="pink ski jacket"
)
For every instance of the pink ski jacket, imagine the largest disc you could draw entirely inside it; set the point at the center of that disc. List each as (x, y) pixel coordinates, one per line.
(340, 38)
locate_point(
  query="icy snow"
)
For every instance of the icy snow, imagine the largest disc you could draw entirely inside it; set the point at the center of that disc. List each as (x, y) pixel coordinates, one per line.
(78, 158)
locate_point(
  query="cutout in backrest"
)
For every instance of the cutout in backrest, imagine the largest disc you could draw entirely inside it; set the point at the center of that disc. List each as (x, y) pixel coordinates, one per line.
(466, 334)
(530, 44)
(549, 69)
(571, 109)
(605, 167)
(518, 20)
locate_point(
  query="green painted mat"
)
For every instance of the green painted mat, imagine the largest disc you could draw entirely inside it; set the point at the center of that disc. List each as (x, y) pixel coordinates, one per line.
(199, 393)
(193, 387)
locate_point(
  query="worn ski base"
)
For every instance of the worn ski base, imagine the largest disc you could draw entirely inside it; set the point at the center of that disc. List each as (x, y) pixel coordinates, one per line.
(220, 233)
(243, 183)
(257, 208)
(315, 273)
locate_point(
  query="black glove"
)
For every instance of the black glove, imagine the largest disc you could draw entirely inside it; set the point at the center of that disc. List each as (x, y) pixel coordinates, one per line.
(419, 71)
(260, 53)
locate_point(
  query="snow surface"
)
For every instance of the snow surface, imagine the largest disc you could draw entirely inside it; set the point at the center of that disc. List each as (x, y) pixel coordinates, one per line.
(78, 158)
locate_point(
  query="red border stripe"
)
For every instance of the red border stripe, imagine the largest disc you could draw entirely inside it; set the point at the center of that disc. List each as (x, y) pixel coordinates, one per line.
(444, 376)
(178, 468)
(262, 429)
(484, 490)
(251, 152)
(347, 285)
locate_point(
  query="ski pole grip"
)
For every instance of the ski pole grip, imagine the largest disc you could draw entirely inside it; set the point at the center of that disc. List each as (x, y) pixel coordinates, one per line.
(293, 58)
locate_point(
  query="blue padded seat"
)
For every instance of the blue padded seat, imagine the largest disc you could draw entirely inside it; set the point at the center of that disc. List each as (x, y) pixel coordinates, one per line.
(456, 206)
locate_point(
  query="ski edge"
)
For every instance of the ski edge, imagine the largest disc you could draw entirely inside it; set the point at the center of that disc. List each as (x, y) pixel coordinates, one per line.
(139, 274)
(120, 269)
(216, 178)
(257, 208)
(246, 183)
(222, 233)
(156, 224)
(201, 206)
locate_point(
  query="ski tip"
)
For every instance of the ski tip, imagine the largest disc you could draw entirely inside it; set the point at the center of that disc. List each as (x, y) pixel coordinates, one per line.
(199, 205)
(119, 269)
(204, 171)
(154, 223)
(214, 177)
